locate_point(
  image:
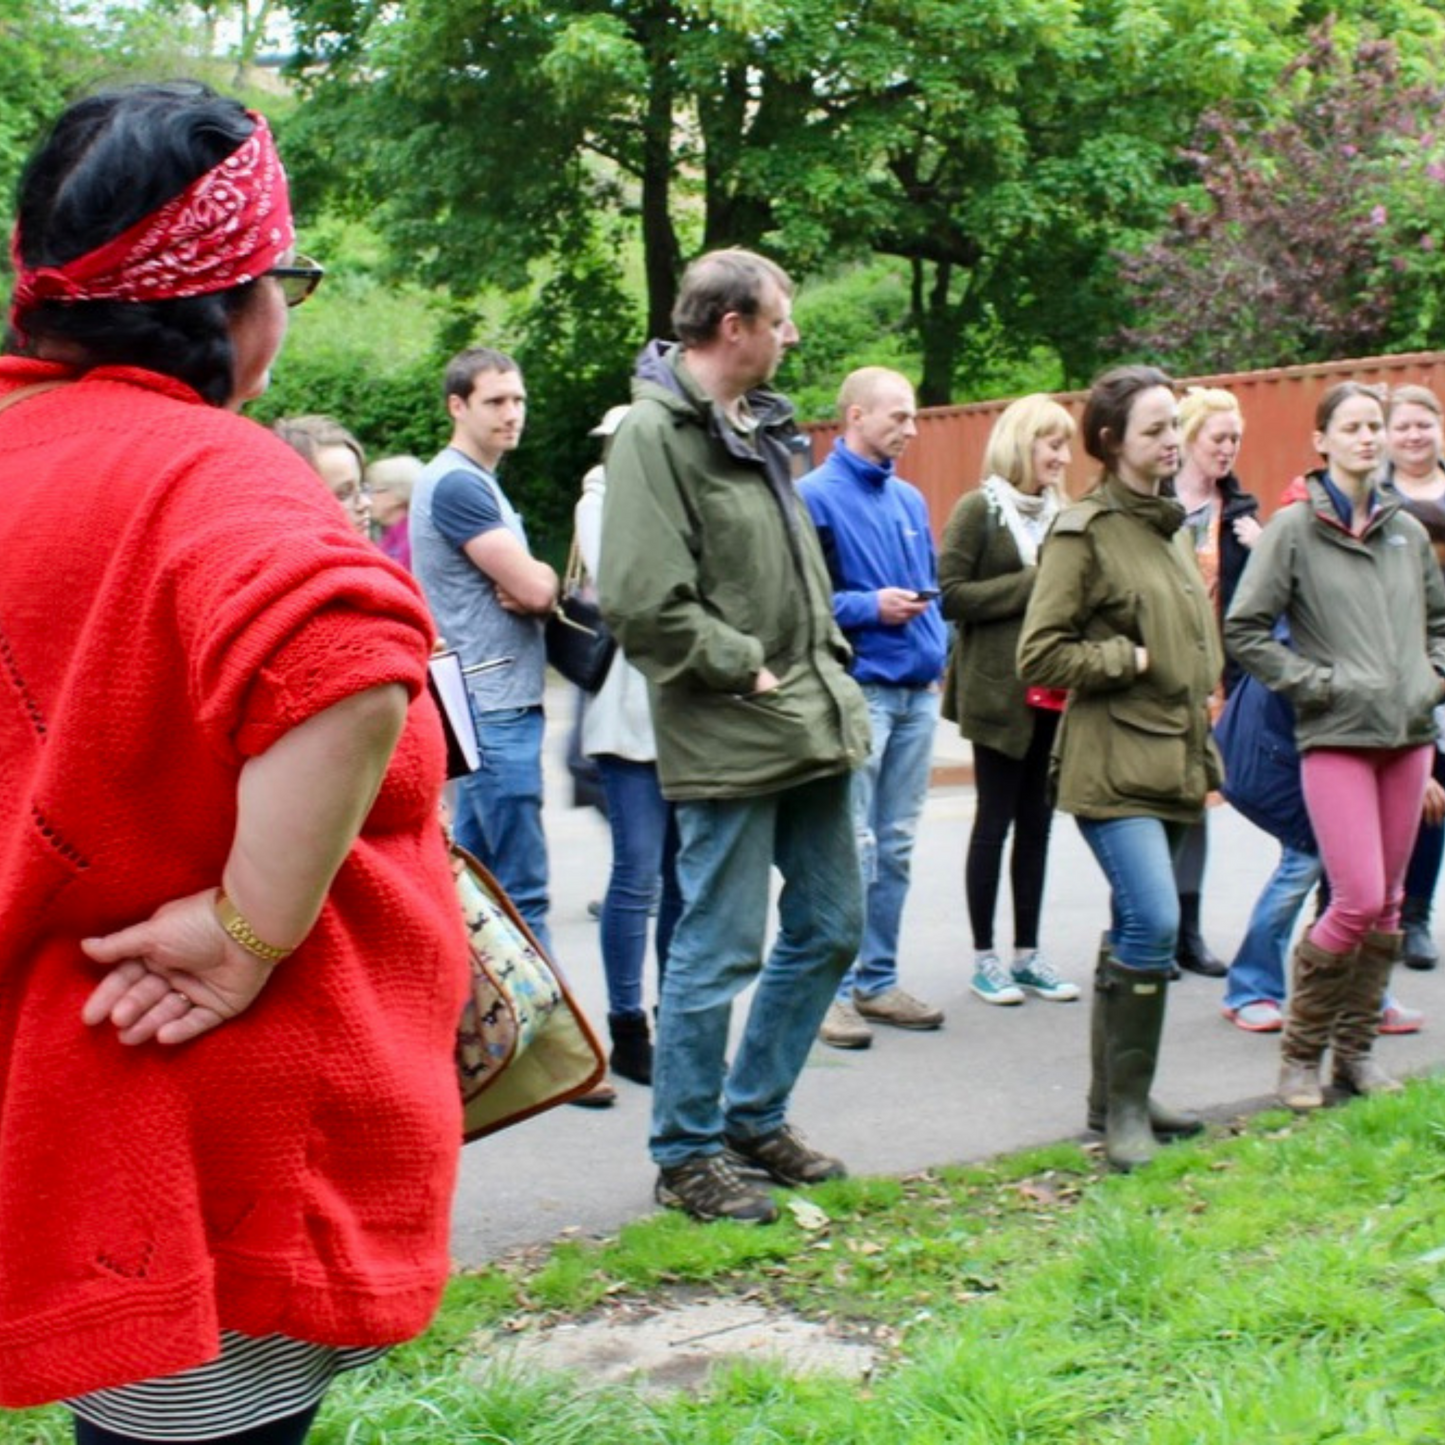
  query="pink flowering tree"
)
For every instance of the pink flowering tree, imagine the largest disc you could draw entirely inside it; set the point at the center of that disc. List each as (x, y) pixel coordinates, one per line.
(1316, 236)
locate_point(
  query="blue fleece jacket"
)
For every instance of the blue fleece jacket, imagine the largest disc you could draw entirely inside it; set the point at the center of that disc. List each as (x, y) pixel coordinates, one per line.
(875, 533)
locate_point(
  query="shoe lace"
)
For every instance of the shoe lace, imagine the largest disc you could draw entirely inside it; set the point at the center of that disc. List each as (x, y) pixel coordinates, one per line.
(717, 1182)
(1043, 971)
(993, 971)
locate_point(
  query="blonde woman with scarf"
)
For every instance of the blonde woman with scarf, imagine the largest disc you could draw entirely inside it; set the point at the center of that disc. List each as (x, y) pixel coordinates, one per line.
(986, 570)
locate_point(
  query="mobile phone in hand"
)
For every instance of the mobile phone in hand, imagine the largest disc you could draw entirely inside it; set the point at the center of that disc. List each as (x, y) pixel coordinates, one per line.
(925, 594)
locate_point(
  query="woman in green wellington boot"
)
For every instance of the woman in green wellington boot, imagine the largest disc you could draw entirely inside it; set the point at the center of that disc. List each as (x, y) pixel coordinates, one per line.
(1120, 616)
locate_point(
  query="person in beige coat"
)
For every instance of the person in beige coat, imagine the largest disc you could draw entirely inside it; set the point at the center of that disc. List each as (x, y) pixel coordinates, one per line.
(1120, 617)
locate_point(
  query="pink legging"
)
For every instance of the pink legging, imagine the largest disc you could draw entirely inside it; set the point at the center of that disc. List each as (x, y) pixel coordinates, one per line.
(1365, 806)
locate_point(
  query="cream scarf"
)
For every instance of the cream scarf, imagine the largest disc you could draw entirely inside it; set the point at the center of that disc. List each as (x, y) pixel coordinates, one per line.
(1027, 518)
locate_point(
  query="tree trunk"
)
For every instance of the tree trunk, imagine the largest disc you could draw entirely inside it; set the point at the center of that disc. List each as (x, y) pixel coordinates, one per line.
(936, 321)
(661, 254)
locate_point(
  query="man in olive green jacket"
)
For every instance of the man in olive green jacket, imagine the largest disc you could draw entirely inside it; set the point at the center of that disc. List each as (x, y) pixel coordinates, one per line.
(713, 581)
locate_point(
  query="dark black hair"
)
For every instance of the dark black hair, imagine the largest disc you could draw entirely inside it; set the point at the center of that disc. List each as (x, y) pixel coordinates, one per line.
(466, 366)
(108, 162)
(1106, 408)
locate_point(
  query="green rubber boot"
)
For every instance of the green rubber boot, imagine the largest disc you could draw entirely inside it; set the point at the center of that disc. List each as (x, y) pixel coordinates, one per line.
(1168, 1124)
(1133, 1009)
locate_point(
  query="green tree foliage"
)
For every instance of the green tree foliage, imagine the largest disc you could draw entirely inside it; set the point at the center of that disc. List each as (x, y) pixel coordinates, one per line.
(41, 59)
(1317, 236)
(1000, 148)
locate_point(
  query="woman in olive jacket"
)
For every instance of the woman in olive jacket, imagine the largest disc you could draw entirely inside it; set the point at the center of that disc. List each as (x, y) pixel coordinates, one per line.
(1355, 576)
(1121, 618)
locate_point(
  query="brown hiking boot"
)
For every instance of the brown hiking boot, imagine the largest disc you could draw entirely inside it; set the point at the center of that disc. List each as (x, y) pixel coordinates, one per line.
(708, 1188)
(785, 1157)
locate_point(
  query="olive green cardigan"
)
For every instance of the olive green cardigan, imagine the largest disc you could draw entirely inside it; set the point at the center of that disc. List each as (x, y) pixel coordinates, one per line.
(985, 587)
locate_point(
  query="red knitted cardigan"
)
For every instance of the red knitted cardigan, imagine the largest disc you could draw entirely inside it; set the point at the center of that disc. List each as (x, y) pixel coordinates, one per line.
(178, 591)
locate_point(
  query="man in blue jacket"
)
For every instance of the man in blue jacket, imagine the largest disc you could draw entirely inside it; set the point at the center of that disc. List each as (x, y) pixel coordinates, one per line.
(879, 548)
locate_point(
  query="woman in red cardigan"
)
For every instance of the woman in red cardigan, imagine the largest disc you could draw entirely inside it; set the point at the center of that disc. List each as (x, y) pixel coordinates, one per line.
(231, 963)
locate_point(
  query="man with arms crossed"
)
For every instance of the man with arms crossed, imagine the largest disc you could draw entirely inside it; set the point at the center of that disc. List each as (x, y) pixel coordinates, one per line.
(489, 596)
(714, 582)
(879, 549)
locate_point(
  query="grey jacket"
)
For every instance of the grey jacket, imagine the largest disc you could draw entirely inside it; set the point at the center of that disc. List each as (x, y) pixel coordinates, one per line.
(1367, 618)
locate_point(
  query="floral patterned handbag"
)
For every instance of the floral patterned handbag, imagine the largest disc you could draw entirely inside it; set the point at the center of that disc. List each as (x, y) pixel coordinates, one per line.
(523, 1044)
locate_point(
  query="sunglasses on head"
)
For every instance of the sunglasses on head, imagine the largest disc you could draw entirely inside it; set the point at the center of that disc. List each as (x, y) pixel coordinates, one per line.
(299, 279)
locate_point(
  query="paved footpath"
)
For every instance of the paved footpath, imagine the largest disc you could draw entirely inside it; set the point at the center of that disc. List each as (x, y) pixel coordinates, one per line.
(990, 1081)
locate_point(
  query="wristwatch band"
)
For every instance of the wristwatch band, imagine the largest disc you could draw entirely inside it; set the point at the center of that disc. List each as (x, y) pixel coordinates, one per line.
(239, 929)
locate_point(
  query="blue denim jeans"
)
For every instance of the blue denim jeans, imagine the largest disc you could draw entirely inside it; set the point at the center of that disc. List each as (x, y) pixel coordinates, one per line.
(499, 810)
(1137, 856)
(888, 796)
(728, 849)
(644, 850)
(1424, 871)
(1259, 968)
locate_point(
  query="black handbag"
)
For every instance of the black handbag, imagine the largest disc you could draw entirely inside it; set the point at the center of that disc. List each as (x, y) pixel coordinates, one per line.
(579, 645)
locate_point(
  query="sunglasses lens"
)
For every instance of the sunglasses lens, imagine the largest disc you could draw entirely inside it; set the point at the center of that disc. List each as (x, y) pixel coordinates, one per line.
(299, 280)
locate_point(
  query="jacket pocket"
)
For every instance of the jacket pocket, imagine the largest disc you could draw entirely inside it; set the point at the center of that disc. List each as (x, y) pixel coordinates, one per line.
(1148, 751)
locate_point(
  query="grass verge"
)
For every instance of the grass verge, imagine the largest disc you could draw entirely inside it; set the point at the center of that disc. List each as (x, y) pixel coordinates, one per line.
(1284, 1283)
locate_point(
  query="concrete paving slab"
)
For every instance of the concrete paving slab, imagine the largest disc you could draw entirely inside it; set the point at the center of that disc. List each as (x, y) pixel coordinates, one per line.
(677, 1346)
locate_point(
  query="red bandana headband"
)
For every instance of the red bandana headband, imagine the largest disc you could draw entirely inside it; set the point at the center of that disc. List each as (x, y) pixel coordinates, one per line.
(227, 227)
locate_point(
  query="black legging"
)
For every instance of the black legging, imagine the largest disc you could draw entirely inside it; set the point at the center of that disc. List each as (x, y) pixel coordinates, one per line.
(290, 1431)
(1011, 793)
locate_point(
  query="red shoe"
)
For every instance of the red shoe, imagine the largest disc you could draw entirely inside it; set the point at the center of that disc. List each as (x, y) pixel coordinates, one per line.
(1258, 1016)
(1396, 1018)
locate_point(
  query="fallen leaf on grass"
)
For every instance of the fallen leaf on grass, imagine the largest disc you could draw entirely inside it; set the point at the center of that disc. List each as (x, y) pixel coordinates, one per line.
(808, 1215)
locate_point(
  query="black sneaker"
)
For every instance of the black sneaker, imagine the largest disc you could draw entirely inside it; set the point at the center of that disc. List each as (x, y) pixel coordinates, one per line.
(707, 1187)
(783, 1156)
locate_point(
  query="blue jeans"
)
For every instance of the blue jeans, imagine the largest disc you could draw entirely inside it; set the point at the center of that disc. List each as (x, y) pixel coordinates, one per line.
(499, 810)
(888, 796)
(1259, 968)
(1137, 856)
(1424, 870)
(728, 850)
(644, 848)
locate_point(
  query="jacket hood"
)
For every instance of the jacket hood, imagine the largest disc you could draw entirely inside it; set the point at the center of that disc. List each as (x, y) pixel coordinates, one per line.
(657, 375)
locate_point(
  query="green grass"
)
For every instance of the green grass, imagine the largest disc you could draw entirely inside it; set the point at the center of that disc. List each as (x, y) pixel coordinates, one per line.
(1280, 1284)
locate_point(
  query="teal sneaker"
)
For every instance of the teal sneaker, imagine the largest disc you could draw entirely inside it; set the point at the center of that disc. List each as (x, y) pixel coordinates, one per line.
(1034, 972)
(991, 981)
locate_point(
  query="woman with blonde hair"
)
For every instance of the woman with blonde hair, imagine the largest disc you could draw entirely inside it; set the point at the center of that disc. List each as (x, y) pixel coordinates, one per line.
(986, 570)
(1415, 439)
(1222, 520)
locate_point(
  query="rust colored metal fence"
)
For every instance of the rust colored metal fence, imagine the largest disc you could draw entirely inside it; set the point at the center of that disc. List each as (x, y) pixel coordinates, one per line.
(943, 461)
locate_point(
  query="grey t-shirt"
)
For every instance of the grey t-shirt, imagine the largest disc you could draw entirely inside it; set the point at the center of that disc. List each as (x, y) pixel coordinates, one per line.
(453, 501)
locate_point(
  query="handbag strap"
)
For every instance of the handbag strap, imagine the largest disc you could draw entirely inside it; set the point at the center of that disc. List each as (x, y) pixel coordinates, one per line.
(24, 393)
(576, 572)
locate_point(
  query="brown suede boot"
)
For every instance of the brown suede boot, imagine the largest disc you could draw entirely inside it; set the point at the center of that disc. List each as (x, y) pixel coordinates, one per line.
(1167, 1123)
(1358, 1018)
(1314, 1000)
